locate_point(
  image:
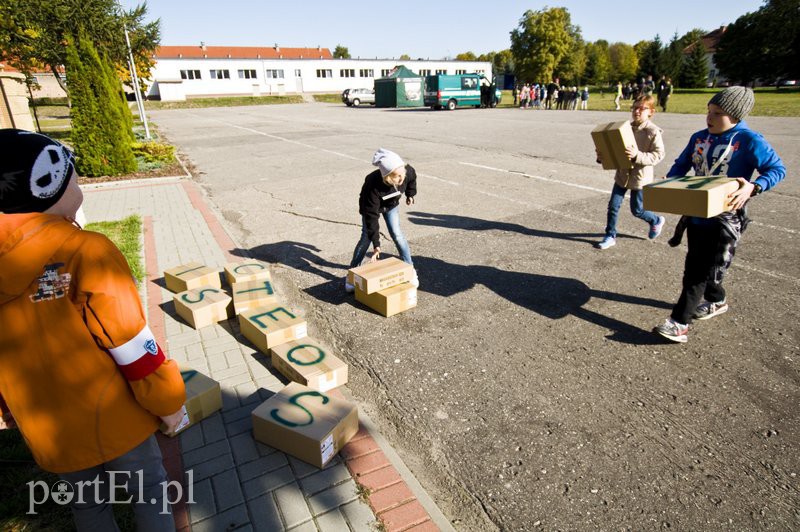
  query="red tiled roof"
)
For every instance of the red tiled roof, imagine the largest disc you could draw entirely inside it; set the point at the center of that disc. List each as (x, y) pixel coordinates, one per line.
(710, 41)
(240, 52)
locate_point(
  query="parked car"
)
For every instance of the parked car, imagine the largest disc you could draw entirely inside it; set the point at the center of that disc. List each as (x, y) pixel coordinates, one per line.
(355, 97)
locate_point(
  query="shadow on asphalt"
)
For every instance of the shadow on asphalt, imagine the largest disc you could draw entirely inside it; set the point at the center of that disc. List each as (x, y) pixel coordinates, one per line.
(297, 255)
(452, 221)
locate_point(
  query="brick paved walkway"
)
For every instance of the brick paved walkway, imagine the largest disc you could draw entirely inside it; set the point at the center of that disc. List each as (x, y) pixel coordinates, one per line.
(238, 483)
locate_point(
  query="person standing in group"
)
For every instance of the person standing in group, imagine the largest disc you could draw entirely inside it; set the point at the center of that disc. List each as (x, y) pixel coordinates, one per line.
(619, 95)
(648, 151)
(380, 195)
(585, 98)
(81, 374)
(514, 94)
(664, 92)
(726, 147)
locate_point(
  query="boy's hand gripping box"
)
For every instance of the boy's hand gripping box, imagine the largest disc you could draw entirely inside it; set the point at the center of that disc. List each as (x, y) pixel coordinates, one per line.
(390, 301)
(611, 140)
(192, 275)
(271, 325)
(305, 423)
(203, 398)
(310, 363)
(202, 307)
(380, 275)
(700, 196)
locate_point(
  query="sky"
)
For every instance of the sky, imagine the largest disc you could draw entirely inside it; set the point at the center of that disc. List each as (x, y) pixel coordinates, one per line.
(372, 28)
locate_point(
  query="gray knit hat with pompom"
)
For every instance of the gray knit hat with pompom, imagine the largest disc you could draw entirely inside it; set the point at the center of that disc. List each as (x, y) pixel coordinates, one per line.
(736, 101)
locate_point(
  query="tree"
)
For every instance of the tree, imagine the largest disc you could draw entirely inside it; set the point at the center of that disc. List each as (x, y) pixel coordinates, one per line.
(540, 42)
(34, 33)
(341, 52)
(503, 62)
(404, 57)
(598, 62)
(694, 71)
(466, 56)
(650, 57)
(624, 62)
(672, 57)
(573, 64)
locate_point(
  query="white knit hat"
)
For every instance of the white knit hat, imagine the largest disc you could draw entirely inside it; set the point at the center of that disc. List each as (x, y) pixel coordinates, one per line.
(387, 161)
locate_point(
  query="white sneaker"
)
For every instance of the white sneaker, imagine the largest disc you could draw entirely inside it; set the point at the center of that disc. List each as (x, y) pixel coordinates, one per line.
(606, 243)
(415, 281)
(348, 287)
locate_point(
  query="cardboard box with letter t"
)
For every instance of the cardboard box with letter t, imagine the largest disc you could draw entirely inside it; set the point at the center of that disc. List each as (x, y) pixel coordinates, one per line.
(271, 325)
(700, 196)
(611, 140)
(203, 398)
(389, 301)
(192, 275)
(310, 363)
(202, 307)
(305, 423)
(252, 294)
(380, 275)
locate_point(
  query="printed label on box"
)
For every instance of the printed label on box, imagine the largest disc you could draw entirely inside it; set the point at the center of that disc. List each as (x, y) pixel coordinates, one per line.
(412, 297)
(184, 420)
(327, 448)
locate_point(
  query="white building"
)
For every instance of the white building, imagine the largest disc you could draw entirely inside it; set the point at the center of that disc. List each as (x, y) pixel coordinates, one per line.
(197, 71)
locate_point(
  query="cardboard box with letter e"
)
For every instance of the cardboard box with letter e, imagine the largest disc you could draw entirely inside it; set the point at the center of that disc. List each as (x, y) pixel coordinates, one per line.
(305, 423)
(271, 325)
(252, 294)
(390, 301)
(380, 275)
(611, 140)
(249, 270)
(310, 363)
(192, 275)
(203, 398)
(202, 307)
(700, 196)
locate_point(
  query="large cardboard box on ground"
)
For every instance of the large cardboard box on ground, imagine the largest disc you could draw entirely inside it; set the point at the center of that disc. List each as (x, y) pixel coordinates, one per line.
(249, 270)
(202, 307)
(305, 423)
(192, 275)
(203, 398)
(701, 196)
(390, 301)
(611, 140)
(252, 294)
(380, 275)
(271, 325)
(310, 363)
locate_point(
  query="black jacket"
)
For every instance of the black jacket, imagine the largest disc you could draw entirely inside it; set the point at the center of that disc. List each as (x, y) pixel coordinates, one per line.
(377, 197)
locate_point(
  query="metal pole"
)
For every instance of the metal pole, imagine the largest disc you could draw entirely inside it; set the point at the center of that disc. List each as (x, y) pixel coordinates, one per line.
(33, 104)
(135, 80)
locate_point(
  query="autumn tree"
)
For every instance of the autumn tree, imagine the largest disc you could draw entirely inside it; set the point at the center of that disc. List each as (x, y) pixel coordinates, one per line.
(466, 56)
(624, 62)
(598, 62)
(540, 42)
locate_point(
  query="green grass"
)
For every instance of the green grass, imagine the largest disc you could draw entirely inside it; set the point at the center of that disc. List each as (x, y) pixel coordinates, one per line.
(126, 235)
(227, 101)
(328, 98)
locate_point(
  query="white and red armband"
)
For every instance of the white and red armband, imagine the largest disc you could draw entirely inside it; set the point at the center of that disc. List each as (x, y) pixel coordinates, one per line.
(140, 356)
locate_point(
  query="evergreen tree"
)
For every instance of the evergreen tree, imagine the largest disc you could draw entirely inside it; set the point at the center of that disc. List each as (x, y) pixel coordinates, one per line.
(694, 71)
(672, 58)
(650, 58)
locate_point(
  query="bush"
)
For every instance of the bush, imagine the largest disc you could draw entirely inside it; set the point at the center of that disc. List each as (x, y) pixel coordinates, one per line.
(154, 152)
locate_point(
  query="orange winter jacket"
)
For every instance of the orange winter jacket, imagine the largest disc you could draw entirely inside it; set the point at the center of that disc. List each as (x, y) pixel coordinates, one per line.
(80, 370)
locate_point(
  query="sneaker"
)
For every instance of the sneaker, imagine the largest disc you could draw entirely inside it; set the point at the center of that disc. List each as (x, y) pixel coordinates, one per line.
(348, 287)
(709, 310)
(415, 281)
(606, 243)
(655, 230)
(672, 330)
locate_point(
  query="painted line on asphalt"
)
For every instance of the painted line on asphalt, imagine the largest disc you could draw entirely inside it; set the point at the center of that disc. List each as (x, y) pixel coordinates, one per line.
(538, 177)
(276, 137)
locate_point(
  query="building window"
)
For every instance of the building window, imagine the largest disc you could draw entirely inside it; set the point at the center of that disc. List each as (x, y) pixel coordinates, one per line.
(459, 71)
(324, 73)
(190, 74)
(481, 71)
(298, 73)
(442, 71)
(220, 74)
(347, 73)
(385, 72)
(274, 74)
(247, 74)
(425, 72)
(366, 73)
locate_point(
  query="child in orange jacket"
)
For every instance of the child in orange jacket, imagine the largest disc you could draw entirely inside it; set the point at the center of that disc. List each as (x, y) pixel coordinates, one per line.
(81, 374)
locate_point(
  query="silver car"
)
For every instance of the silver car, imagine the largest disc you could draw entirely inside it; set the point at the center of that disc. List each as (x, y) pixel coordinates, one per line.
(356, 97)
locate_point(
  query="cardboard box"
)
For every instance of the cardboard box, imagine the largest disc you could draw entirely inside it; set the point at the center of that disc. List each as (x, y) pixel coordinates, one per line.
(271, 325)
(203, 398)
(380, 275)
(192, 275)
(701, 196)
(202, 307)
(611, 140)
(390, 301)
(310, 363)
(252, 294)
(249, 270)
(305, 423)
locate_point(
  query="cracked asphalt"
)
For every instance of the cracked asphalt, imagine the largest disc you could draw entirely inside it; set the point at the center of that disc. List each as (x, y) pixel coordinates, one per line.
(527, 391)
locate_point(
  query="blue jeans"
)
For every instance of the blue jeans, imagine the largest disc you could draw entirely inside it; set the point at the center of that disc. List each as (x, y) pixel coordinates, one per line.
(95, 512)
(617, 195)
(392, 218)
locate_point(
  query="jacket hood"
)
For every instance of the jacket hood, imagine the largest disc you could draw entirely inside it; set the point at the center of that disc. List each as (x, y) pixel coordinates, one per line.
(27, 241)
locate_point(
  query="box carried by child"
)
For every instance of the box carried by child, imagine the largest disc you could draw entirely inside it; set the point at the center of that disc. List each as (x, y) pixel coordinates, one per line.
(611, 141)
(700, 196)
(310, 363)
(389, 301)
(305, 423)
(380, 275)
(203, 398)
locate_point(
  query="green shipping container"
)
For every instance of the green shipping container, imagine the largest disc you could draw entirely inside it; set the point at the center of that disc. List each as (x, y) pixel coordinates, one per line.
(401, 88)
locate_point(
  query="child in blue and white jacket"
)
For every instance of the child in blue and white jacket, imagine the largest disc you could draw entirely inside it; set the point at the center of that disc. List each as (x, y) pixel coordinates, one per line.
(727, 147)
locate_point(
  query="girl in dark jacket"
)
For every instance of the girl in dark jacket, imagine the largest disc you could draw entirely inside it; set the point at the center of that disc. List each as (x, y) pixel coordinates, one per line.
(380, 195)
